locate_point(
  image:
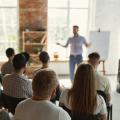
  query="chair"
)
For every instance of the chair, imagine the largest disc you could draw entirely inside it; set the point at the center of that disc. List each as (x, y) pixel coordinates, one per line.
(1, 78)
(67, 110)
(109, 106)
(11, 102)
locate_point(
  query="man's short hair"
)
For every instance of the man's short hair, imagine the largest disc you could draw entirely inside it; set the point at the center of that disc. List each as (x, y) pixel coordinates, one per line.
(19, 61)
(76, 26)
(44, 57)
(27, 56)
(44, 82)
(10, 52)
(94, 57)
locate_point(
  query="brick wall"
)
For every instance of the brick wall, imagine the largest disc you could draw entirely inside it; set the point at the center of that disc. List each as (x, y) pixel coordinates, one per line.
(32, 15)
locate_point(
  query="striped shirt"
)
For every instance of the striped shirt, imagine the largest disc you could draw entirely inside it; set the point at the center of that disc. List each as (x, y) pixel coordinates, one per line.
(18, 86)
(76, 44)
(7, 68)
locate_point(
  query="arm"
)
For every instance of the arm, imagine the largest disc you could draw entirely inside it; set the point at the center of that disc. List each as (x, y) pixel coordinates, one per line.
(66, 45)
(108, 90)
(86, 43)
(103, 109)
(103, 117)
(108, 97)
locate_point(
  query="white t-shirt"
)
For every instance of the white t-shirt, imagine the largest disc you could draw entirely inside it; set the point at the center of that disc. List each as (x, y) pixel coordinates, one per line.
(102, 83)
(39, 110)
(101, 105)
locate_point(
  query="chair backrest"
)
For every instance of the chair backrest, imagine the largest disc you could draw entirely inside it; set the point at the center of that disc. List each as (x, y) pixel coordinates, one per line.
(67, 110)
(102, 93)
(11, 102)
(1, 78)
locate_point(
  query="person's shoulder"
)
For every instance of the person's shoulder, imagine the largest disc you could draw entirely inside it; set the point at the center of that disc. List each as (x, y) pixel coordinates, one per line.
(36, 71)
(23, 77)
(102, 77)
(70, 38)
(7, 76)
(4, 65)
(53, 106)
(23, 102)
(100, 100)
(63, 115)
(82, 37)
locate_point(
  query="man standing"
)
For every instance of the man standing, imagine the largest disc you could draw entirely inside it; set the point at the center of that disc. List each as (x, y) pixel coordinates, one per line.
(76, 43)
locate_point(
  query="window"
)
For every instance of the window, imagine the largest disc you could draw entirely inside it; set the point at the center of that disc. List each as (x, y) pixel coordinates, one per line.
(8, 26)
(62, 15)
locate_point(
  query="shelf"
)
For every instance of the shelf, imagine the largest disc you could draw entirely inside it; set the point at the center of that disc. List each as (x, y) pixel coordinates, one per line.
(33, 55)
(26, 32)
(34, 44)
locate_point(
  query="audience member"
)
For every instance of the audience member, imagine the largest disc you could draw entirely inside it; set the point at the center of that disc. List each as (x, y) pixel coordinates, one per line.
(102, 82)
(39, 107)
(7, 68)
(44, 59)
(82, 98)
(16, 84)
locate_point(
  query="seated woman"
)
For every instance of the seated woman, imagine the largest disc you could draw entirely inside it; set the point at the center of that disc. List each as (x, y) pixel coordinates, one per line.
(82, 98)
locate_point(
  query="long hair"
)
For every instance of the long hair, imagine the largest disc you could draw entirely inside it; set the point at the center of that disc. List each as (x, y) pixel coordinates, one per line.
(83, 92)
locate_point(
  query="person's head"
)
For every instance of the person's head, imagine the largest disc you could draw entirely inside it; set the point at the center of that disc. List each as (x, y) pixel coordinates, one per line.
(83, 92)
(44, 57)
(19, 62)
(94, 59)
(44, 83)
(75, 29)
(27, 56)
(10, 53)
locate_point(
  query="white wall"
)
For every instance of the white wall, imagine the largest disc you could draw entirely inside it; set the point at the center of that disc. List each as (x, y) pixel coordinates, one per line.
(107, 17)
(60, 67)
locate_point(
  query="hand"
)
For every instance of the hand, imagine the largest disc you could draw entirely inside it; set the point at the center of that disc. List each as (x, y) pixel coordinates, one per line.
(58, 43)
(90, 43)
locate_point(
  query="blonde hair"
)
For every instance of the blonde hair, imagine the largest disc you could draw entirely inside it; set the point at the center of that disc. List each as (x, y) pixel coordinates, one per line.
(44, 82)
(83, 92)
